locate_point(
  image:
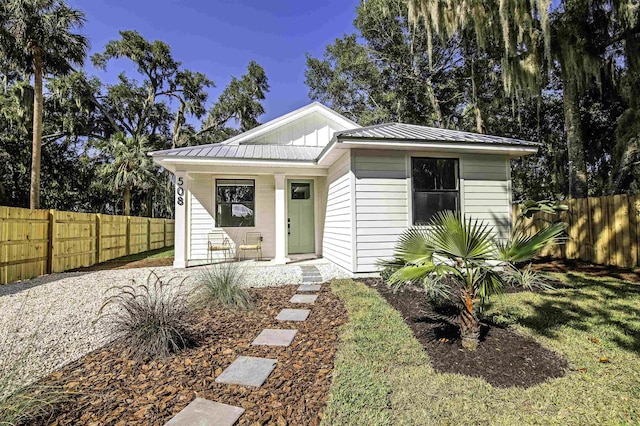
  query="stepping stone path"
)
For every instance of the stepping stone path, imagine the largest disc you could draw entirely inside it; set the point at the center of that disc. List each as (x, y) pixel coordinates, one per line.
(293, 315)
(252, 371)
(309, 287)
(247, 371)
(274, 337)
(310, 274)
(303, 298)
(203, 412)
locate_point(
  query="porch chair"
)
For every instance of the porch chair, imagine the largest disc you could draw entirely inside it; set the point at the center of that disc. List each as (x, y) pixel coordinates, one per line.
(252, 241)
(216, 241)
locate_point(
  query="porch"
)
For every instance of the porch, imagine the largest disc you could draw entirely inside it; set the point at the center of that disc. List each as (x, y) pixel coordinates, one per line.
(226, 207)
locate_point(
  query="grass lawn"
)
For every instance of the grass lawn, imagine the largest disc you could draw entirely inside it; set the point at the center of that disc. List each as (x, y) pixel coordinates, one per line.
(382, 375)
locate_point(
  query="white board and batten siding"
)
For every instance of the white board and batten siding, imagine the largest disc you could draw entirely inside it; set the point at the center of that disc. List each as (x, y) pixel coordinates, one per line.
(383, 198)
(313, 130)
(337, 241)
(202, 213)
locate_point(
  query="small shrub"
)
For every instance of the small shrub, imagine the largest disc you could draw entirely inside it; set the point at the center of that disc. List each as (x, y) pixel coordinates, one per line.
(221, 285)
(527, 278)
(154, 318)
(20, 401)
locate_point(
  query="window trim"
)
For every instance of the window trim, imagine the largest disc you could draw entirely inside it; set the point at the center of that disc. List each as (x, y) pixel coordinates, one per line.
(216, 203)
(413, 189)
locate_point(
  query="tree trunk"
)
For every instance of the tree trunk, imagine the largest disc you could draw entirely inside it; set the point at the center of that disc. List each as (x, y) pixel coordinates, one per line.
(36, 149)
(578, 184)
(127, 201)
(469, 325)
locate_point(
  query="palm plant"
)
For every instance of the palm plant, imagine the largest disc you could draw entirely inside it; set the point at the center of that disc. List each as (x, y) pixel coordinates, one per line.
(459, 260)
(36, 38)
(131, 168)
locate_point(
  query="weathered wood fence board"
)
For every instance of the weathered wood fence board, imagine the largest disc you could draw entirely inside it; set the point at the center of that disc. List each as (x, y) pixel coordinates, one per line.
(36, 242)
(602, 230)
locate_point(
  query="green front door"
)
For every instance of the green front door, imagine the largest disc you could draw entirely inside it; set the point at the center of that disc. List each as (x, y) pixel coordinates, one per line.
(300, 224)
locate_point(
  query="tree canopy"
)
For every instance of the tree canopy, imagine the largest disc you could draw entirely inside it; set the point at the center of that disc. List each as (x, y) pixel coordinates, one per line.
(96, 135)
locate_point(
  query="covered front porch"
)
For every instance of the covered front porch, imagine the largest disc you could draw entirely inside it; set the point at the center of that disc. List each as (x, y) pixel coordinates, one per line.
(229, 206)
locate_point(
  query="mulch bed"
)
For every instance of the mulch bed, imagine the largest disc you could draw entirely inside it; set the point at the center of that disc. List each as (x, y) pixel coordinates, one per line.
(109, 388)
(567, 266)
(127, 264)
(504, 358)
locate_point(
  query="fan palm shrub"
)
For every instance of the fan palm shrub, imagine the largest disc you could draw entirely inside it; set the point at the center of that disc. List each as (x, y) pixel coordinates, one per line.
(458, 260)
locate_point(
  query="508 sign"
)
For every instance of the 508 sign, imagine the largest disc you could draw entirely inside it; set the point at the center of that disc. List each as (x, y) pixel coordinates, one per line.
(180, 191)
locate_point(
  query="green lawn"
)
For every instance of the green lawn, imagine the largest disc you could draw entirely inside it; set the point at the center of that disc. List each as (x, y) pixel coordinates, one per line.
(383, 377)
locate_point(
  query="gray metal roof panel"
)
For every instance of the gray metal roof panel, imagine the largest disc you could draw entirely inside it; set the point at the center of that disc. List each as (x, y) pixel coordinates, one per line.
(246, 151)
(410, 132)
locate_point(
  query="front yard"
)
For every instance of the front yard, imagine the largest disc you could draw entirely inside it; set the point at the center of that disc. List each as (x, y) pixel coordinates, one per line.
(383, 376)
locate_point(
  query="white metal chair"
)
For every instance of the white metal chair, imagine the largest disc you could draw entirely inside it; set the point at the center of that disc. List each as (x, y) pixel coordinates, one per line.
(217, 241)
(252, 241)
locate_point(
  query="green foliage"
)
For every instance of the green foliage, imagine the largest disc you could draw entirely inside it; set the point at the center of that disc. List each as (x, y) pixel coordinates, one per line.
(383, 376)
(131, 168)
(456, 259)
(382, 72)
(153, 319)
(22, 402)
(221, 285)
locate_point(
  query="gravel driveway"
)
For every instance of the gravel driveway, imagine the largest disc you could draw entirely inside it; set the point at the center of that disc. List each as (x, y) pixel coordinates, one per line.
(47, 322)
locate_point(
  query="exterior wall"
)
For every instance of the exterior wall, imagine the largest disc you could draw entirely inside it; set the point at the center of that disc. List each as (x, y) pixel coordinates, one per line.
(382, 204)
(487, 190)
(202, 214)
(312, 130)
(337, 241)
(383, 197)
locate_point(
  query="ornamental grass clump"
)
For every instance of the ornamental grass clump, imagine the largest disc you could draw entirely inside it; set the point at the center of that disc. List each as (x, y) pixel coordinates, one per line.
(221, 285)
(154, 319)
(21, 401)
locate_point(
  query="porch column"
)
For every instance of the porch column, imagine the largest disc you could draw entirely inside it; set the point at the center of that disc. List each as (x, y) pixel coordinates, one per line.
(281, 220)
(181, 221)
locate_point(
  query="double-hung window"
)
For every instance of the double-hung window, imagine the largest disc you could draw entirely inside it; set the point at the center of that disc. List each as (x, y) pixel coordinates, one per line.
(435, 187)
(235, 202)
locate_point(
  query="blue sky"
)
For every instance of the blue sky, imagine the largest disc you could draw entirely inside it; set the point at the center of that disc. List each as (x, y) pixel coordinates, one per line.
(220, 37)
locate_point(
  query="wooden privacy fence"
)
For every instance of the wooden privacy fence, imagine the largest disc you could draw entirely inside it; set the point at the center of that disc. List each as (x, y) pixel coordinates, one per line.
(37, 242)
(602, 230)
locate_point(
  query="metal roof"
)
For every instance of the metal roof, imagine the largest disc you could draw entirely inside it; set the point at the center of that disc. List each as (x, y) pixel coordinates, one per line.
(414, 133)
(245, 151)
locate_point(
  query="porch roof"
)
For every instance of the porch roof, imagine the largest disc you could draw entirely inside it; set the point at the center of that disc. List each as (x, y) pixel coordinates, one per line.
(245, 151)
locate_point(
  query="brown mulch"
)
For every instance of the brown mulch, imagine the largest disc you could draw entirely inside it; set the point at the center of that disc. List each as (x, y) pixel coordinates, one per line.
(503, 358)
(109, 388)
(128, 264)
(567, 266)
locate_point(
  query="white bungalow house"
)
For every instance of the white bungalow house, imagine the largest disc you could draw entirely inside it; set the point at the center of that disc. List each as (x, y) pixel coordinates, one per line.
(314, 182)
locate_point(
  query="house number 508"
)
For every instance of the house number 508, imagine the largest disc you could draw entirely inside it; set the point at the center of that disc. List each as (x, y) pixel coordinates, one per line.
(180, 191)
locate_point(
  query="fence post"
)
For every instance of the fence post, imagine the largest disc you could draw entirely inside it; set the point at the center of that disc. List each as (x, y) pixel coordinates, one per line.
(164, 233)
(98, 225)
(128, 237)
(50, 243)
(148, 234)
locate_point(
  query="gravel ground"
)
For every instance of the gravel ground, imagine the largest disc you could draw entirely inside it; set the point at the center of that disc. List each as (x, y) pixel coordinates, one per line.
(49, 321)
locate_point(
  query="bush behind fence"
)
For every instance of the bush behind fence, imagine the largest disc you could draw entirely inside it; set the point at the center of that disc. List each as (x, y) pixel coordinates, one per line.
(37, 242)
(602, 230)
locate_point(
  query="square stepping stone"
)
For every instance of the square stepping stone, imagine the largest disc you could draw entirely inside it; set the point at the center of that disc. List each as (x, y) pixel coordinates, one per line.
(293, 315)
(310, 287)
(303, 298)
(274, 337)
(247, 371)
(203, 412)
